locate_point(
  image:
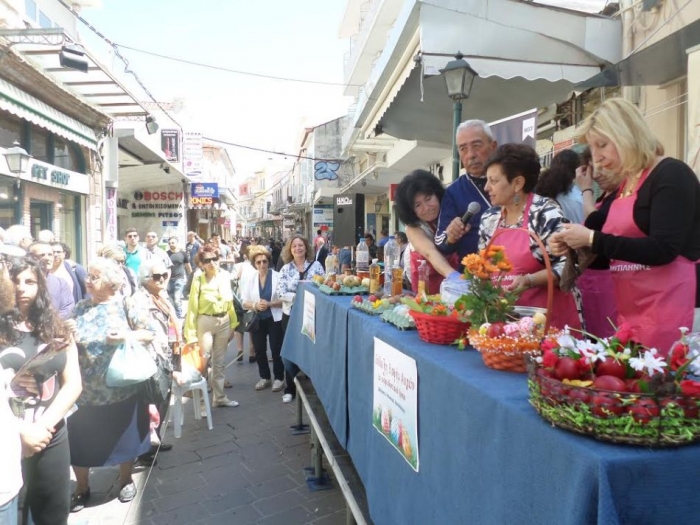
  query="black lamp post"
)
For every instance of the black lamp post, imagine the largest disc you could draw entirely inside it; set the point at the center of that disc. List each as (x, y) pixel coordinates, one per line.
(459, 78)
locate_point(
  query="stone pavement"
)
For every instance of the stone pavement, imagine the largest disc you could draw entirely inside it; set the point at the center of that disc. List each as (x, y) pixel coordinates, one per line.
(247, 470)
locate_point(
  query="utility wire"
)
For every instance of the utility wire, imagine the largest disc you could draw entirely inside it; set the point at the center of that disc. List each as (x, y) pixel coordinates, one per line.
(294, 155)
(236, 71)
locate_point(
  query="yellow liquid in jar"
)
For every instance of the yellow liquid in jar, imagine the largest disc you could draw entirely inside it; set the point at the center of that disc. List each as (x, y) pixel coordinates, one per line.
(374, 273)
(396, 281)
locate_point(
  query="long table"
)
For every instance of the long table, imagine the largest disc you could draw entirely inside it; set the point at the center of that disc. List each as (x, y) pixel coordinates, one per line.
(486, 456)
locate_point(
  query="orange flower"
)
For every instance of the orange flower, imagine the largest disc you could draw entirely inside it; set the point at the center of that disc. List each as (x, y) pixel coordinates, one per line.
(504, 266)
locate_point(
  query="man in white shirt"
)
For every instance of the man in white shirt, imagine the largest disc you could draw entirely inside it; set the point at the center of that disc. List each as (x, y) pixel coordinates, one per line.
(155, 251)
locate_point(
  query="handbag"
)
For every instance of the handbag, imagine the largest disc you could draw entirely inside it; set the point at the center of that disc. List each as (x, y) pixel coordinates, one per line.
(131, 364)
(155, 389)
(191, 355)
(250, 321)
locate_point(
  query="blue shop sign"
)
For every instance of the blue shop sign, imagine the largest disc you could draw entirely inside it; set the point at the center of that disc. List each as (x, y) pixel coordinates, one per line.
(205, 189)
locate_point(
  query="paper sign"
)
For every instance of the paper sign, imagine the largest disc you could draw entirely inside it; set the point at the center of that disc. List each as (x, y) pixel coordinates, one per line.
(308, 323)
(395, 406)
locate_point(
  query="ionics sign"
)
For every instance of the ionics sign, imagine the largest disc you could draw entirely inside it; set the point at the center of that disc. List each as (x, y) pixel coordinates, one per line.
(201, 201)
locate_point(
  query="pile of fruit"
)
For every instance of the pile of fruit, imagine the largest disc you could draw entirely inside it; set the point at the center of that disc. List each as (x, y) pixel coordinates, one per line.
(373, 304)
(341, 284)
(523, 335)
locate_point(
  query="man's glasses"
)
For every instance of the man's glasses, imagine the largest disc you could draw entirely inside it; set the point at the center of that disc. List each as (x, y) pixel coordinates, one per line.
(93, 278)
(159, 276)
(210, 260)
(132, 235)
(261, 261)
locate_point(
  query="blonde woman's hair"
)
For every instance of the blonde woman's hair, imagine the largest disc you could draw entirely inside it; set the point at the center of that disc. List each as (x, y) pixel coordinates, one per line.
(112, 251)
(622, 123)
(286, 253)
(256, 251)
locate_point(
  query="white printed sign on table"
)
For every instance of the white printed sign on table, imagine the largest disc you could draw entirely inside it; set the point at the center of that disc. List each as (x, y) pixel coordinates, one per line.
(308, 322)
(395, 405)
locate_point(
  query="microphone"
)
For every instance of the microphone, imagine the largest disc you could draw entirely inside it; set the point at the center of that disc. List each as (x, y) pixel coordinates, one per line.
(472, 210)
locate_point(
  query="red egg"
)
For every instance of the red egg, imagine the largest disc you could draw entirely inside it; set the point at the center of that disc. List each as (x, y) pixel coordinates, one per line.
(611, 367)
(567, 368)
(612, 383)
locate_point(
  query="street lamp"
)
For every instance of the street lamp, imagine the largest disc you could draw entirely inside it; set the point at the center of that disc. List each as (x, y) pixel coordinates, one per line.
(17, 160)
(378, 206)
(459, 78)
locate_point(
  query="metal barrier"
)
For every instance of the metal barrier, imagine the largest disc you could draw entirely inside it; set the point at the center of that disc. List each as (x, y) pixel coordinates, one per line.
(319, 480)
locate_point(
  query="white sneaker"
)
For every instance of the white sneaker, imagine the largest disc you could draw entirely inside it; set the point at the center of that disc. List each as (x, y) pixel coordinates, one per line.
(262, 384)
(287, 398)
(226, 403)
(277, 385)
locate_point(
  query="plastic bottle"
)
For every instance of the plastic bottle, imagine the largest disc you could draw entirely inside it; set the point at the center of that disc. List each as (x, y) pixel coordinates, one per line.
(423, 276)
(374, 273)
(391, 261)
(362, 256)
(331, 264)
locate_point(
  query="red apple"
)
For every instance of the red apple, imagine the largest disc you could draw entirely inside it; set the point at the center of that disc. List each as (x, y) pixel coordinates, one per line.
(611, 367)
(567, 368)
(495, 330)
(612, 383)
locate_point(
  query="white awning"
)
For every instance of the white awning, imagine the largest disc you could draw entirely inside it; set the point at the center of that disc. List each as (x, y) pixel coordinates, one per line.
(27, 107)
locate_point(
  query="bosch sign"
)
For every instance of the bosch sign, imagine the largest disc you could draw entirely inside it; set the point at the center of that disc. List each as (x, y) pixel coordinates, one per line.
(158, 196)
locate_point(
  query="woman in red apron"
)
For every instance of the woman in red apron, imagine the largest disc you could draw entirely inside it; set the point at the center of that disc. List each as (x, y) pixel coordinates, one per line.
(418, 199)
(511, 176)
(652, 232)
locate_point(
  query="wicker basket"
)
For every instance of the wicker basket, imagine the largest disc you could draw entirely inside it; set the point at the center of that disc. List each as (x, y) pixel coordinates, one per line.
(619, 417)
(509, 353)
(438, 330)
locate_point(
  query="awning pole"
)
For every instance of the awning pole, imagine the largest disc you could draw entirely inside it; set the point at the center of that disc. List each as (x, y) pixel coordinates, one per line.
(456, 121)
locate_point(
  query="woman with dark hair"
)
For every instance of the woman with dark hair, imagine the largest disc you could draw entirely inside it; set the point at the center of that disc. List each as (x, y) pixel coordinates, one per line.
(211, 318)
(43, 394)
(511, 176)
(300, 265)
(557, 183)
(418, 199)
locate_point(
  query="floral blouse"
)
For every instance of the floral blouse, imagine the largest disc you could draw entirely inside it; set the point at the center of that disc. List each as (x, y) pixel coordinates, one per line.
(544, 220)
(94, 321)
(289, 281)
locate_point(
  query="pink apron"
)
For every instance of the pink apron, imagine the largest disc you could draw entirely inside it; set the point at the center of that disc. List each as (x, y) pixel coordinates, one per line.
(654, 300)
(517, 247)
(598, 296)
(434, 278)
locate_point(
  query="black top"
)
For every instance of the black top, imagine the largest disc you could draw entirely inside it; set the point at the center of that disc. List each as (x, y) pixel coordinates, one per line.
(667, 210)
(265, 293)
(179, 259)
(595, 221)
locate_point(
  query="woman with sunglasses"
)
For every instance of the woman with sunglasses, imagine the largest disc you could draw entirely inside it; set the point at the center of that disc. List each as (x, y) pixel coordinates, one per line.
(153, 296)
(41, 395)
(211, 318)
(300, 265)
(260, 294)
(111, 426)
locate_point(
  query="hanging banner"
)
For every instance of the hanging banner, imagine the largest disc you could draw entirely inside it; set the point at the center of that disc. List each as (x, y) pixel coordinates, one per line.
(395, 405)
(170, 144)
(308, 323)
(518, 129)
(192, 154)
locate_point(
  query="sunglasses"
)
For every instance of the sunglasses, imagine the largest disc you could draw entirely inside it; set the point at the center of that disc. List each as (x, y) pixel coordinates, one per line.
(132, 235)
(159, 276)
(211, 260)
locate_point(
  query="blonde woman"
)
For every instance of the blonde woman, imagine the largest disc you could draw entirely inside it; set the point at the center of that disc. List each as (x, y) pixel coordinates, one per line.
(260, 294)
(652, 231)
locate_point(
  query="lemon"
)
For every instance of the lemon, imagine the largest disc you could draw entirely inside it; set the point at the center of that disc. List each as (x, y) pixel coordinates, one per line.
(539, 318)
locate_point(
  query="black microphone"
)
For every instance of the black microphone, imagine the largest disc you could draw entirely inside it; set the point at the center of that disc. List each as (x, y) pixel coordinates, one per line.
(472, 210)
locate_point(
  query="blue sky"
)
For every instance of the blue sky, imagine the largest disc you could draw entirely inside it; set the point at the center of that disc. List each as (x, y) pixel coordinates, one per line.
(276, 37)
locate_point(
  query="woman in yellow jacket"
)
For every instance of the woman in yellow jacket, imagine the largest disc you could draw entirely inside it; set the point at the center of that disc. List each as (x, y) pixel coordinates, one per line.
(211, 318)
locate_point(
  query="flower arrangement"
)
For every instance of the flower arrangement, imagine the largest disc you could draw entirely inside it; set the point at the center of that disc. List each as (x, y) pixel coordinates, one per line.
(487, 301)
(617, 390)
(432, 305)
(436, 321)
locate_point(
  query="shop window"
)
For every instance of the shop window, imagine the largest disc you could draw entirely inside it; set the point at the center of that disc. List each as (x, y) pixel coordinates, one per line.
(69, 217)
(10, 130)
(67, 156)
(39, 148)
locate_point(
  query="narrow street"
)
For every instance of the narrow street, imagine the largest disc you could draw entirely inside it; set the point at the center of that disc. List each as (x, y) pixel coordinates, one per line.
(247, 470)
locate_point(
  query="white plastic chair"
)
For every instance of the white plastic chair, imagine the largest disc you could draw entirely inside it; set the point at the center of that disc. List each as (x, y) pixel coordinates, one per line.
(198, 388)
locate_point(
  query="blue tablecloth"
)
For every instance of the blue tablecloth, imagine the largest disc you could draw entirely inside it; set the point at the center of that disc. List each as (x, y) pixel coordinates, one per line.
(486, 456)
(325, 362)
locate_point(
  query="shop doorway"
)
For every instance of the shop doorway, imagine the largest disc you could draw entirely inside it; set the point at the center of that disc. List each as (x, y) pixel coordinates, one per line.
(41, 213)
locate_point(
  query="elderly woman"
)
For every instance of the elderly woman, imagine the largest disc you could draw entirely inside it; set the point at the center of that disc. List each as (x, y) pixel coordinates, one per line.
(260, 294)
(152, 295)
(511, 175)
(211, 317)
(300, 265)
(418, 199)
(111, 426)
(116, 254)
(42, 394)
(652, 232)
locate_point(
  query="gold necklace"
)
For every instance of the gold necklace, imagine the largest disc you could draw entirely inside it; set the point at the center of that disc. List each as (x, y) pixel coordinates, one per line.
(631, 185)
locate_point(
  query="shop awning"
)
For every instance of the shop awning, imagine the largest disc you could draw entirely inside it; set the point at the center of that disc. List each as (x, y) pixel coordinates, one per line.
(27, 107)
(526, 55)
(661, 62)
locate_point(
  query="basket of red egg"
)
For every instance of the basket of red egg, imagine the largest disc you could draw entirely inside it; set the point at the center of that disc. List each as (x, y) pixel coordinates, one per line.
(615, 390)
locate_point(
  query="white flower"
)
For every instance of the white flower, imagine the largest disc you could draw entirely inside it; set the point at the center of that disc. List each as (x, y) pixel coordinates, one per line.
(591, 351)
(648, 361)
(567, 342)
(694, 365)
(684, 330)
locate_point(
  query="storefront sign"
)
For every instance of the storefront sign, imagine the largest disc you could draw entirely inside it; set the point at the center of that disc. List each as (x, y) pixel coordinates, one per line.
(343, 201)
(169, 223)
(323, 215)
(205, 189)
(49, 175)
(201, 201)
(170, 144)
(158, 195)
(192, 154)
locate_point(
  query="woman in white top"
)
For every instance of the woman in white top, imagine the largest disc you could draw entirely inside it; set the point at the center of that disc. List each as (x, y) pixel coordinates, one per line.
(260, 294)
(242, 273)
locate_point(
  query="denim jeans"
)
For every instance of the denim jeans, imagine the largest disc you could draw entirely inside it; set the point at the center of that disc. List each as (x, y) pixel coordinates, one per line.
(175, 288)
(8, 512)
